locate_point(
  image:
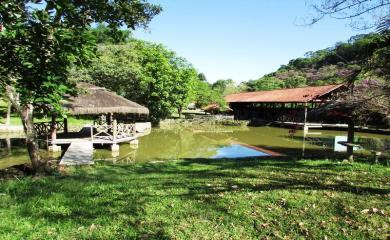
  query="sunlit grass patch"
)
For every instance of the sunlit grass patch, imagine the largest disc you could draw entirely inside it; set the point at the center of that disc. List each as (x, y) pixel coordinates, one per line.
(202, 198)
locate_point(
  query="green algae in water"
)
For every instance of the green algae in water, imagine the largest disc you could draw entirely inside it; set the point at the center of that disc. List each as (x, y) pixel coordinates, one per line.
(181, 143)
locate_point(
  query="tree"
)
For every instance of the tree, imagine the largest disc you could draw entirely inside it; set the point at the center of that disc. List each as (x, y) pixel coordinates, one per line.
(364, 14)
(144, 72)
(104, 34)
(202, 77)
(367, 102)
(225, 87)
(42, 39)
(264, 83)
(205, 95)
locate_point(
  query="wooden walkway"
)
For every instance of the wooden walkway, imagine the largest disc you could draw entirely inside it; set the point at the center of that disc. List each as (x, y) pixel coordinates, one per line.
(79, 153)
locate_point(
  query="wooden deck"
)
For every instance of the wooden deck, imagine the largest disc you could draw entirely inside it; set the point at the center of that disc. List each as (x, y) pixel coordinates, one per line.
(85, 135)
(100, 140)
(80, 150)
(79, 153)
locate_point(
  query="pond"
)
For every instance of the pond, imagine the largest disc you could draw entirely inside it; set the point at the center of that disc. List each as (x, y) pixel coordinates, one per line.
(182, 143)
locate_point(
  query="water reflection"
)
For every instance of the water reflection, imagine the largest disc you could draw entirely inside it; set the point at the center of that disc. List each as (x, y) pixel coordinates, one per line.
(237, 151)
(163, 145)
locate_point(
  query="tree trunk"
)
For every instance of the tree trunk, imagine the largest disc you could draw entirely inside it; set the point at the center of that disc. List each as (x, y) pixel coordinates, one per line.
(8, 118)
(31, 138)
(26, 114)
(179, 110)
(350, 139)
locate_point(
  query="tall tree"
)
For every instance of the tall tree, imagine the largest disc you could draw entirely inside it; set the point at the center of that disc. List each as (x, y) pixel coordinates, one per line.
(42, 39)
(225, 87)
(104, 34)
(144, 72)
(202, 77)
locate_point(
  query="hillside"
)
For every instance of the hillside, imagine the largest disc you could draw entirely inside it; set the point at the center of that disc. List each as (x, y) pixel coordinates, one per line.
(360, 57)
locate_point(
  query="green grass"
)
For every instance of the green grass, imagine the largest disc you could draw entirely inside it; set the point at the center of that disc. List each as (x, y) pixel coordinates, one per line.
(15, 119)
(201, 199)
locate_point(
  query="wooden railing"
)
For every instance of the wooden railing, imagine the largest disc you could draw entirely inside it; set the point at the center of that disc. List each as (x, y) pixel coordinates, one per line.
(114, 131)
(44, 128)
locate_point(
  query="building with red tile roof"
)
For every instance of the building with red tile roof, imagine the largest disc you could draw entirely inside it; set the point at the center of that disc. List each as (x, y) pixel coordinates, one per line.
(281, 104)
(289, 95)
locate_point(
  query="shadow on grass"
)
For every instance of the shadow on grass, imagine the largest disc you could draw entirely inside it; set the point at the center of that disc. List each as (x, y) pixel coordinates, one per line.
(104, 193)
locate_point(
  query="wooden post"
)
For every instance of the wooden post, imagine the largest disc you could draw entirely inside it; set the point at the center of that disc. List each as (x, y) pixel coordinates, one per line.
(53, 135)
(304, 144)
(134, 130)
(305, 128)
(65, 125)
(8, 141)
(350, 138)
(53, 129)
(109, 118)
(114, 129)
(91, 128)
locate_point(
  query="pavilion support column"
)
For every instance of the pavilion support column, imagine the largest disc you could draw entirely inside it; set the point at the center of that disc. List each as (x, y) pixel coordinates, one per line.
(114, 129)
(110, 118)
(53, 135)
(305, 127)
(65, 125)
(114, 146)
(350, 139)
(8, 141)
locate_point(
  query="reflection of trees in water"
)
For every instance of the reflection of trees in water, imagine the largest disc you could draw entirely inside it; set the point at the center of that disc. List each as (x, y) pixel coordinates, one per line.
(174, 144)
(324, 142)
(374, 144)
(327, 142)
(13, 152)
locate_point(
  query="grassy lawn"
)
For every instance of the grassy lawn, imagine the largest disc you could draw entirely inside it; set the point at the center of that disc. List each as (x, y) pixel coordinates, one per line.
(201, 199)
(15, 119)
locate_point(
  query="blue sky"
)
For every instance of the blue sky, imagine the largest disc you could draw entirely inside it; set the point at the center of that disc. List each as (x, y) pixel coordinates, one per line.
(240, 39)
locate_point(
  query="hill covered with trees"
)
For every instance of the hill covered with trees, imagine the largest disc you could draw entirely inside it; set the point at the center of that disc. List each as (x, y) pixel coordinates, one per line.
(366, 56)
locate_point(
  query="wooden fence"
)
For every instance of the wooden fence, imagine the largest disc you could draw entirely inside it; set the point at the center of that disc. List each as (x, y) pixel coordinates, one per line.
(114, 131)
(44, 128)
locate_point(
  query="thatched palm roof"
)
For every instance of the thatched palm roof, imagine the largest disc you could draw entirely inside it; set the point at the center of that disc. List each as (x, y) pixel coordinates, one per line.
(98, 100)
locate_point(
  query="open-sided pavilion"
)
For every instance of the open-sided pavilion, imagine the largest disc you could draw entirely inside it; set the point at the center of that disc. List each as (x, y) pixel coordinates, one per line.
(284, 105)
(114, 119)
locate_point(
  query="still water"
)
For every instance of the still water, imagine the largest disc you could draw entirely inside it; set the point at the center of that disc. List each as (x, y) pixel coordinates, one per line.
(168, 144)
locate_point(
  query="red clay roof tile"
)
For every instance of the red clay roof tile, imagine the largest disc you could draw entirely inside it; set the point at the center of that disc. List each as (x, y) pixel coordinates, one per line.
(290, 95)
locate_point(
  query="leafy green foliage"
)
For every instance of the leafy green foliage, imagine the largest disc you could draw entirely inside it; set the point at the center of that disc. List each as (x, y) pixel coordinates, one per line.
(205, 95)
(42, 39)
(146, 73)
(264, 83)
(225, 87)
(104, 34)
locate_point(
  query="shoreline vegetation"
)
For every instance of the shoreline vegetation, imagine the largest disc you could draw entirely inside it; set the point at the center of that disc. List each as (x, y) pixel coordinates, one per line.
(254, 198)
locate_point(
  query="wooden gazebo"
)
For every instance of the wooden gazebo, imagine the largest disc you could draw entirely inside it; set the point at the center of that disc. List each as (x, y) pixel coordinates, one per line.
(111, 125)
(98, 100)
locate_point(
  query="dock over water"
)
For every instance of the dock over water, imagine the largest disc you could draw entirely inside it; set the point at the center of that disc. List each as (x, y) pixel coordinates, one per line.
(78, 153)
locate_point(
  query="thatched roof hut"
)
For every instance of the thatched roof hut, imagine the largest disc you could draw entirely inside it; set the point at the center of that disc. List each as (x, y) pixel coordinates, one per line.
(98, 100)
(215, 108)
